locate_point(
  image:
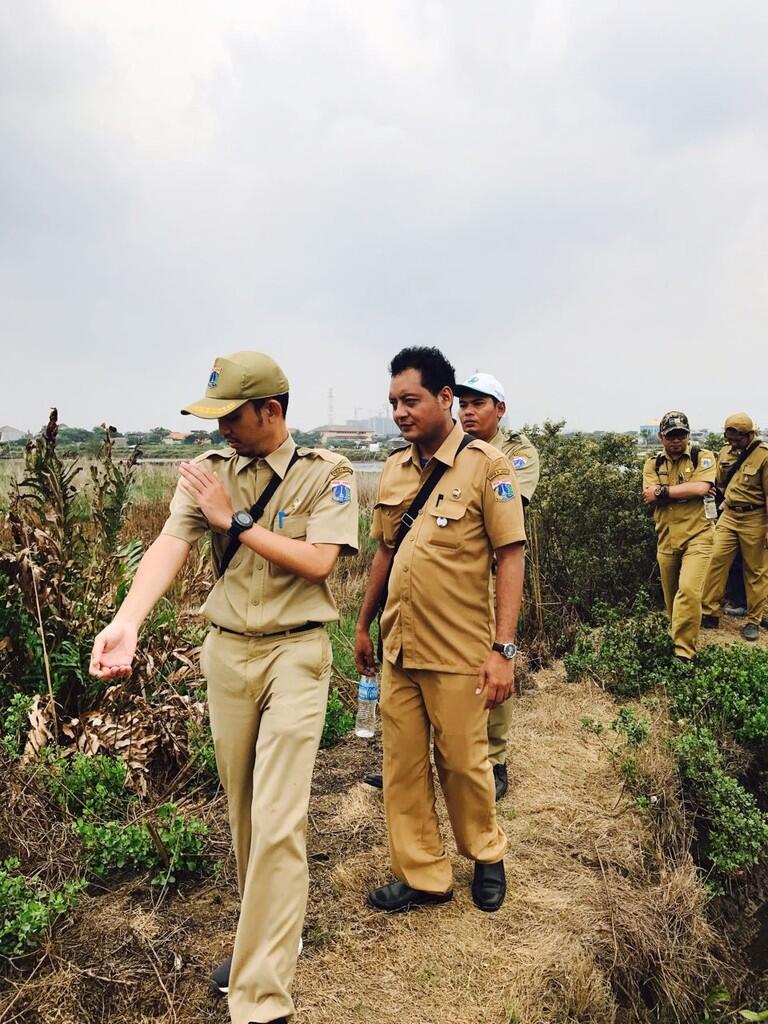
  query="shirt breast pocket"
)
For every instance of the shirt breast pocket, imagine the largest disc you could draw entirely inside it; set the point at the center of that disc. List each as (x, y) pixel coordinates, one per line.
(447, 524)
(292, 526)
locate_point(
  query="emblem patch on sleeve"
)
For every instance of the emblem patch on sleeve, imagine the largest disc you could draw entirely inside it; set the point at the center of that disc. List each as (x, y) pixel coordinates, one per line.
(503, 490)
(519, 461)
(706, 463)
(341, 493)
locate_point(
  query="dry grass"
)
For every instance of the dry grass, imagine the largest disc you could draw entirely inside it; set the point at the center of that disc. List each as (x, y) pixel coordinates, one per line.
(600, 922)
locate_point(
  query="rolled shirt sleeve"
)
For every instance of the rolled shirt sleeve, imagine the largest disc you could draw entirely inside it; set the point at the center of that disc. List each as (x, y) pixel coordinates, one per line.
(334, 515)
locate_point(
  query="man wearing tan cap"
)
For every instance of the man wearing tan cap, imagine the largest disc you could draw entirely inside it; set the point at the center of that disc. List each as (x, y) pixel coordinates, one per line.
(482, 406)
(742, 479)
(675, 484)
(278, 518)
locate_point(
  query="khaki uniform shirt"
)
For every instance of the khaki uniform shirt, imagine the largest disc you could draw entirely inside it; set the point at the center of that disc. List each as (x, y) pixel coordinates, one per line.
(679, 521)
(438, 611)
(749, 485)
(524, 458)
(317, 502)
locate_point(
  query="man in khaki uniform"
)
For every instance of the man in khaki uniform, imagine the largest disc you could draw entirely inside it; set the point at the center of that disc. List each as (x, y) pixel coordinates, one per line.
(675, 484)
(267, 657)
(743, 526)
(442, 668)
(482, 406)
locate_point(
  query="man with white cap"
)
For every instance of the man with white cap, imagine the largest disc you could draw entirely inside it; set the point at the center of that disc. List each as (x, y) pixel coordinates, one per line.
(742, 478)
(278, 518)
(482, 406)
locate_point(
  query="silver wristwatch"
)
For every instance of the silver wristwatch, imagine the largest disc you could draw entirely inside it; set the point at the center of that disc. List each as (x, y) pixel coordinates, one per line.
(507, 650)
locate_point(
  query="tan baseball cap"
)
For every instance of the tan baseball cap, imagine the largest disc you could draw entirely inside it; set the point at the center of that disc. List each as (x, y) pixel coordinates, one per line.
(741, 422)
(235, 380)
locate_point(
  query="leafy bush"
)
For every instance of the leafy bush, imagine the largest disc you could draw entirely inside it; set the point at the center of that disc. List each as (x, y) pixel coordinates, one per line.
(338, 721)
(591, 539)
(736, 832)
(173, 848)
(28, 909)
(626, 656)
(16, 724)
(88, 786)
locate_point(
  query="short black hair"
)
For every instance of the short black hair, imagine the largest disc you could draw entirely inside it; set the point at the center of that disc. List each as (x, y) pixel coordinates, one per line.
(436, 372)
(258, 403)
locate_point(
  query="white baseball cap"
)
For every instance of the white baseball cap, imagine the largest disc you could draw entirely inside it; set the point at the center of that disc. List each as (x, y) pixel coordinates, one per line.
(481, 384)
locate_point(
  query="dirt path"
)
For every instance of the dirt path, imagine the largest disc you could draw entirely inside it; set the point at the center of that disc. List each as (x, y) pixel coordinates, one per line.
(590, 911)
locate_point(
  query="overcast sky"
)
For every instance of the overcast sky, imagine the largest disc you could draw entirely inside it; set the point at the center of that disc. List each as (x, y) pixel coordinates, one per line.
(569, 195)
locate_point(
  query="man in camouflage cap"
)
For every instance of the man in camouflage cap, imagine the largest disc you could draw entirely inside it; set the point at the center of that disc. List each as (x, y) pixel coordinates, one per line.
(675, 483)
(278, 517)
(742, 479)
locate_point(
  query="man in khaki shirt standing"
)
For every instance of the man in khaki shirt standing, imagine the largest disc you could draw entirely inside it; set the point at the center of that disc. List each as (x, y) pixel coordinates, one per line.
(482, 406)
(442, 667)
(267, 657)
(742, 475)
(675, 483)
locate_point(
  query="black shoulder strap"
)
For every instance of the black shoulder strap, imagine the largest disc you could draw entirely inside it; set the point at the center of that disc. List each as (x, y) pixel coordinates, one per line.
(257, 511)
(732, 470)
(695, 452)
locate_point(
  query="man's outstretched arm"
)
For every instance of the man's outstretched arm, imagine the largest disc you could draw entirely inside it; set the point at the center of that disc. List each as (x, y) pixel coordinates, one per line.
(115, 646)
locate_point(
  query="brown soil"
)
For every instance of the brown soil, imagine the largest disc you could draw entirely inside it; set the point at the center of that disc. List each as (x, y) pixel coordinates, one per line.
(597, 925)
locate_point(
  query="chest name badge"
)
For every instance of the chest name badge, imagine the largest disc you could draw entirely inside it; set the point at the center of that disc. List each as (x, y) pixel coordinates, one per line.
(341, 493)
(442, 521)
(503, 490)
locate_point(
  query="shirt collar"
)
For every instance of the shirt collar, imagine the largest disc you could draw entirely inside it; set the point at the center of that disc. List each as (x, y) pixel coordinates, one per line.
(277, 460)
(446, 453)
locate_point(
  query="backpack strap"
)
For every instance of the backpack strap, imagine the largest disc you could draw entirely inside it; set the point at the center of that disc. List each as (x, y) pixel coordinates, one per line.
(695, 452)
(257, 511)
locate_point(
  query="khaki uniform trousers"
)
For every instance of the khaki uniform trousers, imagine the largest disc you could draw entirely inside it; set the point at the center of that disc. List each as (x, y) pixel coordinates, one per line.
(499, 724)
(682, 579)
(736, 531)
(411, 701)
(267, 698)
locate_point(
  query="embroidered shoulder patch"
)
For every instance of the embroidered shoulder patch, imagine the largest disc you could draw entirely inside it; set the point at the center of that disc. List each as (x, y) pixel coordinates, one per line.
(341, 492)
(519, 461)
(503, 490)
(213, 380)
(706, 463)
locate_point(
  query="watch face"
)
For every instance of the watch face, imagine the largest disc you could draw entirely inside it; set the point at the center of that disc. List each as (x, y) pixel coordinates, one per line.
(243, 518)
(510, 650)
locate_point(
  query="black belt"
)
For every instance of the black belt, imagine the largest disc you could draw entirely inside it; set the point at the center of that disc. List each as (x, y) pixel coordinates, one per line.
(743, 508)
(280, 632)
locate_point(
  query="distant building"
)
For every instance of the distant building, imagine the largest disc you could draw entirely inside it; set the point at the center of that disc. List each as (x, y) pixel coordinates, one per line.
(381, 425)
(351, 435)
(11, 434)
(176, 437)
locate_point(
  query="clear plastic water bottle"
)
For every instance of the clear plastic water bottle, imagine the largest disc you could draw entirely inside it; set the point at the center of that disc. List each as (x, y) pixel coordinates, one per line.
(367, 699)
(710, 507)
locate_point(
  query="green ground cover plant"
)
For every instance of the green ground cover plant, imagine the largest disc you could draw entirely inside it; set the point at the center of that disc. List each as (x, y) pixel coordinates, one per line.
(28, 909)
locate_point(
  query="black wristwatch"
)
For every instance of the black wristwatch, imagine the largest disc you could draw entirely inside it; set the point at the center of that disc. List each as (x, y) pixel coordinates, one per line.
(507, 650)
(241, 521)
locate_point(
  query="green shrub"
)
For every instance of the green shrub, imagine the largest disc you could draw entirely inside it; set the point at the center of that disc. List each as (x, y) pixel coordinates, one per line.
(28, 909)
(88, 786)
(177, 847)
(736, 830)
(338, 721)
(203, 752)
(626, 656)
(16, 724)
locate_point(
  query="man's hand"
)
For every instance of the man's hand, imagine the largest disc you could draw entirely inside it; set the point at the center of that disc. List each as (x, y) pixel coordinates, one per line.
(497, 678)
(209, 492)
(649, 495)
(364, 658)
(113, 651)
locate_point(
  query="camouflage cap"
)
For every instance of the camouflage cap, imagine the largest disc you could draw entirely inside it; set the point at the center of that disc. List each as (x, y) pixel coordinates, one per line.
(235, 380)
(741, 422)
(674, 421)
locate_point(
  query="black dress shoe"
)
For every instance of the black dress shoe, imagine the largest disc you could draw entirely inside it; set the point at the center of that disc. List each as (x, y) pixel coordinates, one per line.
(710, 621)
(220, 977)
(399, 896)
(751, 631)
(374, 779)
(489, 886)
(500, 780)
